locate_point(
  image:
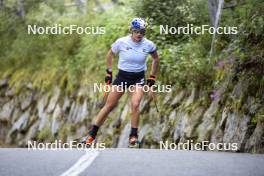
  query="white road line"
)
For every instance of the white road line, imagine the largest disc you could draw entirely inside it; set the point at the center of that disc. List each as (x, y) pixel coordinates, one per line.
(82, 163)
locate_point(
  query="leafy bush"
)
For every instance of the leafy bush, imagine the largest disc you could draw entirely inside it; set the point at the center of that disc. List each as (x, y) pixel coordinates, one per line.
(71, 60)
(48, 59)
(172, 13)
(187, 64)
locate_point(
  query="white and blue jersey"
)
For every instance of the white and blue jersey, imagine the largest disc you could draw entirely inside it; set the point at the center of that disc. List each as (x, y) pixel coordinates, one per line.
(132, 55)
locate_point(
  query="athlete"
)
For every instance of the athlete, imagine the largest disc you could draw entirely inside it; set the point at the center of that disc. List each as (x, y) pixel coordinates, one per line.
(132, 51)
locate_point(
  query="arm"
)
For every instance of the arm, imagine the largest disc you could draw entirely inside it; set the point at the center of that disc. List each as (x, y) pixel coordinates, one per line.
(155, 63)
(109, 59)
(154, 70)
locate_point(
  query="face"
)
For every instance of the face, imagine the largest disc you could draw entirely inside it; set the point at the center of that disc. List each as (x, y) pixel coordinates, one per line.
(137, 35)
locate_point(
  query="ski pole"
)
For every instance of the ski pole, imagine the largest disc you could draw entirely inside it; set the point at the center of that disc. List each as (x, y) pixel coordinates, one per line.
(155, 102)
(105, 92)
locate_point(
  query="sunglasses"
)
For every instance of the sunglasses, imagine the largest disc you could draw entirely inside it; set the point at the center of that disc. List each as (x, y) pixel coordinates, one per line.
(139, 31)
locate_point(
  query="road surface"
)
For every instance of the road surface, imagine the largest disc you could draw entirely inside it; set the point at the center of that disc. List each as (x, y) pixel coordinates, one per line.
(128, 162)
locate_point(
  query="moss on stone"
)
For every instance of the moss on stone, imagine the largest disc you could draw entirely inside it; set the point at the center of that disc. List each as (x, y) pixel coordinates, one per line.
(45, 135)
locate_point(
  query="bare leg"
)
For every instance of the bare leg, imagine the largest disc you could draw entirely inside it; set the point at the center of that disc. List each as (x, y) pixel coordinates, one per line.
(111, 102)
(137, 95)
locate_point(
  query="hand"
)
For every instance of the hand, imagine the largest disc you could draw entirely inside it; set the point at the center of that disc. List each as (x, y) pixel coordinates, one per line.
(108, 76)
(151, 80)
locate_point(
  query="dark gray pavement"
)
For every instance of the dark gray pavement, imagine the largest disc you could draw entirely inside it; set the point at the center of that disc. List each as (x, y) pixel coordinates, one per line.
(128, 162)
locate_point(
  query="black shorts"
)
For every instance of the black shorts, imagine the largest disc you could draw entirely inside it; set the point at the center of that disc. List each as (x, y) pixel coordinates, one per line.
(127, 79)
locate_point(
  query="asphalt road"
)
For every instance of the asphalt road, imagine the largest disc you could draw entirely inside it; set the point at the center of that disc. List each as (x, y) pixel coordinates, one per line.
(128, 162)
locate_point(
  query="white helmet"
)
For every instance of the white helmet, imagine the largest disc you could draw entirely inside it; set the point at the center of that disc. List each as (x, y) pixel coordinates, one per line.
(138, 23)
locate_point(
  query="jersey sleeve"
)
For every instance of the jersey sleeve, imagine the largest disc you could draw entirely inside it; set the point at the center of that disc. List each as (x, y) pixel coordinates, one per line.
(115, 47)
(152, 48)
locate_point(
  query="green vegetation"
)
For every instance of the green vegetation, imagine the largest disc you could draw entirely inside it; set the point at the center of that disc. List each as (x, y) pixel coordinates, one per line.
(70, 61)
(45, 134)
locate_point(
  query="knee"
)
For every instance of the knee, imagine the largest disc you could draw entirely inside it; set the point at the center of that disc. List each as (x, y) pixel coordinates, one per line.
(135, 106)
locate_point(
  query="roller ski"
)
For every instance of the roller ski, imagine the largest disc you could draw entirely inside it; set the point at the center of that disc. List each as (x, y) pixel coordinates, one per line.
(134, 142)
(90, 139)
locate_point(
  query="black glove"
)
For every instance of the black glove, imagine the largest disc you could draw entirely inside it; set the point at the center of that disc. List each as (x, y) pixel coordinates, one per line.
(151, 80)
(108, 76)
